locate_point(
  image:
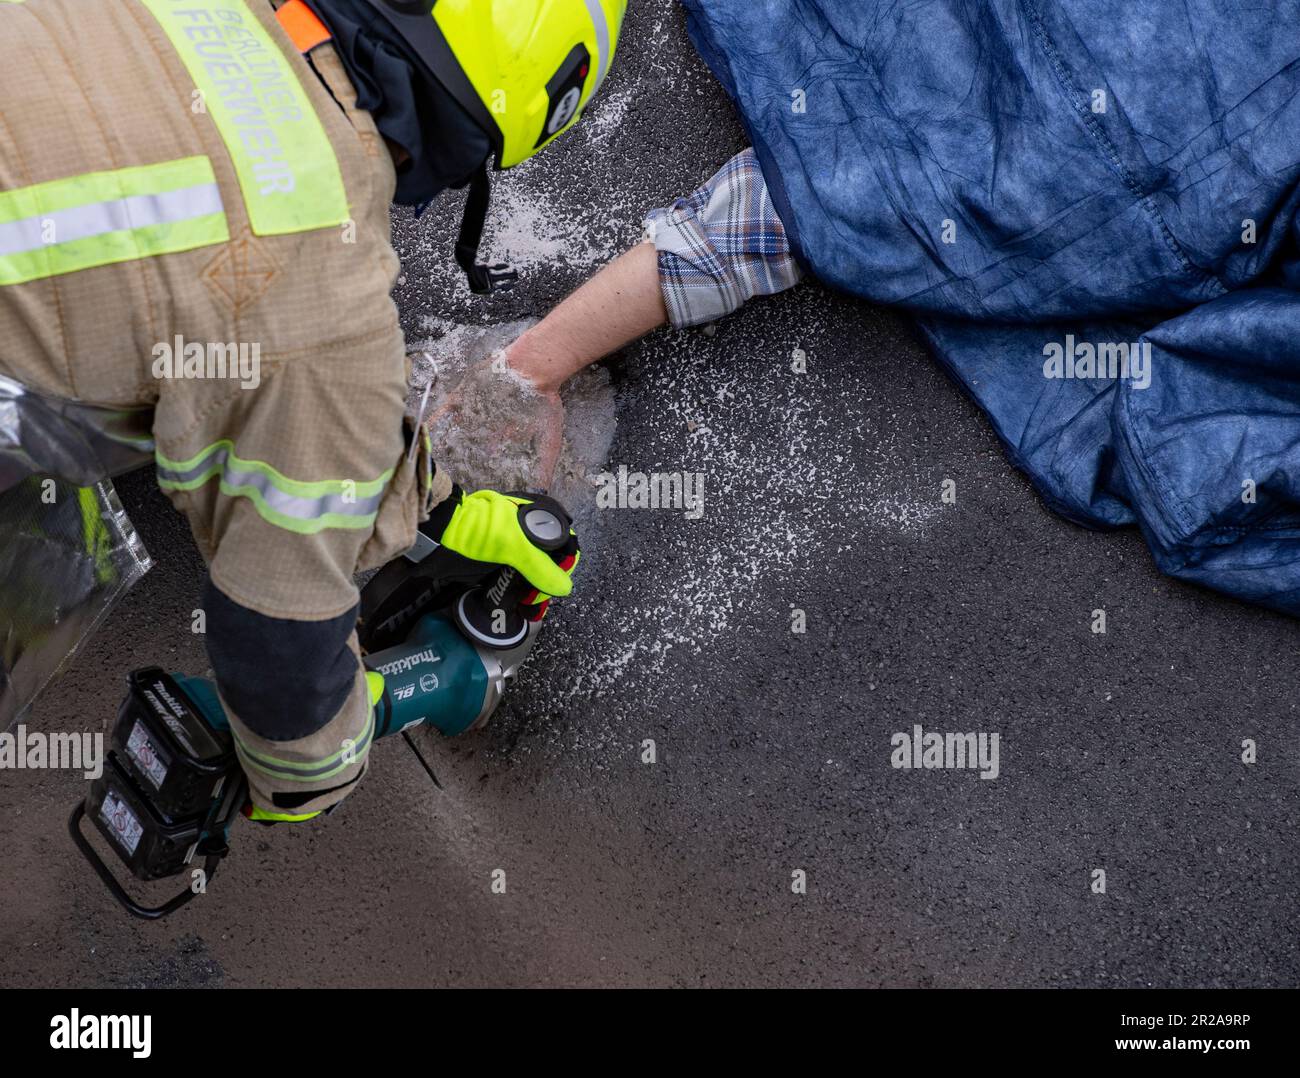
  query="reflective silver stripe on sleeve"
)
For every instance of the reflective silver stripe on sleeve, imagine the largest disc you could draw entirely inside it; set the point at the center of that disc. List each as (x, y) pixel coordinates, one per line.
(291, 505)
(311, 772)
(116, 215)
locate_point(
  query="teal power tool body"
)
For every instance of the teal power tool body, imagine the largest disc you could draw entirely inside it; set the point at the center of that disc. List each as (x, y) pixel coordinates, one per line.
(446, 640)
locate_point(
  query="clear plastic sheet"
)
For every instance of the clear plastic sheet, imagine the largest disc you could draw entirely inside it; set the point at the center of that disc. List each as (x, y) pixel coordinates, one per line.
(68, 551)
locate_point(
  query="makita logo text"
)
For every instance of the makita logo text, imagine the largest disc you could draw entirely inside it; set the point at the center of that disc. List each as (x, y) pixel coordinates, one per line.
(409, 662)
(498, 590)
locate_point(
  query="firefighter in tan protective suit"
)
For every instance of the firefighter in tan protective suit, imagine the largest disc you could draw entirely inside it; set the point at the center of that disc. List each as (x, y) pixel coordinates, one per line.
(194, 200)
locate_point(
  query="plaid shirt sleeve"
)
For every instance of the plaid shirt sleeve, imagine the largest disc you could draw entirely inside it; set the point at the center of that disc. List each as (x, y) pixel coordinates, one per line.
(721, 245)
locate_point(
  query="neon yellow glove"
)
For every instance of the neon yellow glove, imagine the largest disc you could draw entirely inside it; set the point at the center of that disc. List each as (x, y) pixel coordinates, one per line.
(485, 527)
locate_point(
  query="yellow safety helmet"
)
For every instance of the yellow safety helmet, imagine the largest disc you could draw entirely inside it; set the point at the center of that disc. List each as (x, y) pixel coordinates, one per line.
(523, 69)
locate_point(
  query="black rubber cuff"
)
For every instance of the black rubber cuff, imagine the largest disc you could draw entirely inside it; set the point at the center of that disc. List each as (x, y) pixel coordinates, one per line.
(442, 514)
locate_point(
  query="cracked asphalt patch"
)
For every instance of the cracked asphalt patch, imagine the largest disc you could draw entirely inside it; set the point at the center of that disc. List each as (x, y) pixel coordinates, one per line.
(1118, 751)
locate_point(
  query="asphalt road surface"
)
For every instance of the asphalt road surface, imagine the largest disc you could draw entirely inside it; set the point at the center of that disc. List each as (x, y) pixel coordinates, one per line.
(822, 509)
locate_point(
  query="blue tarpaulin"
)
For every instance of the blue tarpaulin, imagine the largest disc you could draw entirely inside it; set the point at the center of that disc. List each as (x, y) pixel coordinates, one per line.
(1091, 208)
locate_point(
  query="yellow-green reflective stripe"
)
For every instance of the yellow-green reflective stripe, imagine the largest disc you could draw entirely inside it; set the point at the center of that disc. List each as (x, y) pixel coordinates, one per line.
(286, 166)
(100, 218)
(314, 770)
(297, 506)
(276, 817)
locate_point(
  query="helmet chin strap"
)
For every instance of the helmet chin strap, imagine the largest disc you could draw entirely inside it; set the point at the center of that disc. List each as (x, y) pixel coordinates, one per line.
(483, 279)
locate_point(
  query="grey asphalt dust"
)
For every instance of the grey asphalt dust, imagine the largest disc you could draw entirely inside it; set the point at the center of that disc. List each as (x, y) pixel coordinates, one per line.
(822, 503)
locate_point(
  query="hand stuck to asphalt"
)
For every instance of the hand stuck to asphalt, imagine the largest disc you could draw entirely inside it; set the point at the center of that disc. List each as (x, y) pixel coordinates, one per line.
(492, 428)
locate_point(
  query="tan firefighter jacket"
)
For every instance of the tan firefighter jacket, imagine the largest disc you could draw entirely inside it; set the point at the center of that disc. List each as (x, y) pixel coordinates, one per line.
(194, 219)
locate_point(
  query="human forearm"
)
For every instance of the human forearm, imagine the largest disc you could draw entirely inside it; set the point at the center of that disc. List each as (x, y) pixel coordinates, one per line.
(711, 252)
(622, 303)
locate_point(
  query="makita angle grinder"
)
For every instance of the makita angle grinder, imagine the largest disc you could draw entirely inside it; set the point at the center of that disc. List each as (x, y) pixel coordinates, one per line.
(446, 640)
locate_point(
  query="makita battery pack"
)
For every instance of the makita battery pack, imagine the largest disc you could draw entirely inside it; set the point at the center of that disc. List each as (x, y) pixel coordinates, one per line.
(151, 845)
(166, 746)
(170, 790)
